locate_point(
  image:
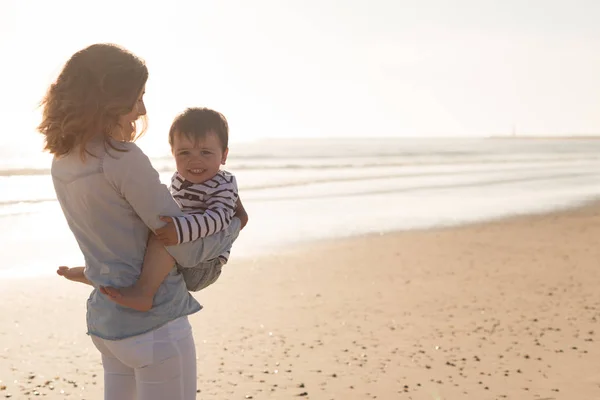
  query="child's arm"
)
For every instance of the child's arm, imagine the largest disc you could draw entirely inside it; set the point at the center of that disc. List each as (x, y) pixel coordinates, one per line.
(221, 207)
(74, 274)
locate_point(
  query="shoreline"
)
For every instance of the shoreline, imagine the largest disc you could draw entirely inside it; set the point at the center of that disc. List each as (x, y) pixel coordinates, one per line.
(299, 245)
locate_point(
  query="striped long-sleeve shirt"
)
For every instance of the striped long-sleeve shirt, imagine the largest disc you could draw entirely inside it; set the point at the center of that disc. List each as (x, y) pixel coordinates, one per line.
(209, 206)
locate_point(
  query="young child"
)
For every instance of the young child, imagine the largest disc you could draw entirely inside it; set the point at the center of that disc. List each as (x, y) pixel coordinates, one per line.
(208, 195)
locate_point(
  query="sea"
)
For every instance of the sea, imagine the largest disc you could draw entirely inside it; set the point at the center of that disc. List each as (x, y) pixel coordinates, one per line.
(304, 190)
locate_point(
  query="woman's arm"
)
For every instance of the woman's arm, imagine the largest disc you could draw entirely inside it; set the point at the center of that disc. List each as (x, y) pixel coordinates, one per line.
(133, 176)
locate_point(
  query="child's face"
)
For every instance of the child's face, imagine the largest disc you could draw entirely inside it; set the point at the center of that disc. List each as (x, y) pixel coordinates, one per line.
(198, 160)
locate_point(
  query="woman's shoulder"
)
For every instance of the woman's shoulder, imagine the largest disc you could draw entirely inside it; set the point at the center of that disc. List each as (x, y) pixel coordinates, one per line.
(123, 157)
(122, 152)
(123, 147)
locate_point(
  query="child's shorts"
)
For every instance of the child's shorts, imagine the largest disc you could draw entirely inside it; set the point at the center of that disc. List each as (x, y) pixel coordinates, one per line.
(202, 275)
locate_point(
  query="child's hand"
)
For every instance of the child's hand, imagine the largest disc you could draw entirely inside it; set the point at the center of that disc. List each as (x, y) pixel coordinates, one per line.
(168, 233)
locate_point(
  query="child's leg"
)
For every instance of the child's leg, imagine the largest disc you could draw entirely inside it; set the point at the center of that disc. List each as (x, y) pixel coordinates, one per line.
(203, 275)
(157, 264)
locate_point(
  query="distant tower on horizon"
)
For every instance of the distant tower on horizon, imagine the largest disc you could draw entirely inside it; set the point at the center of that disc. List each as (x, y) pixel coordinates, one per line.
(514, 130)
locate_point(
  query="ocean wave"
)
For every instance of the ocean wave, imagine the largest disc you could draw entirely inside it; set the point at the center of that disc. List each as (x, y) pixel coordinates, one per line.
(7, 203)
(377, 175)
(24, 171)
(18, 207)
(164, 165)
(432, 187)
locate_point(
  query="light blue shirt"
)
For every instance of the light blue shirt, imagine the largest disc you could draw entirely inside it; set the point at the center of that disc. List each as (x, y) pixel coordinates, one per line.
(110, 201)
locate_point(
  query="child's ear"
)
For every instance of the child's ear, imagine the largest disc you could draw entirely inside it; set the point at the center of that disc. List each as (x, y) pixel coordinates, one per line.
(224, 158)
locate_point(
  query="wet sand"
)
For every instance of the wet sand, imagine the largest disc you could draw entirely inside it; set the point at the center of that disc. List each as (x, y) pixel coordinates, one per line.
(501, 310)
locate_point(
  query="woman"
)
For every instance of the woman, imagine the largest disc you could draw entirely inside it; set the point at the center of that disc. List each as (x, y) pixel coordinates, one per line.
(111, 195)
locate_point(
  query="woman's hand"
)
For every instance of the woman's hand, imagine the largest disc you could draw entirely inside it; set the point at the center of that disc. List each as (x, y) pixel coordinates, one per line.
(241, 213)
(168, 233)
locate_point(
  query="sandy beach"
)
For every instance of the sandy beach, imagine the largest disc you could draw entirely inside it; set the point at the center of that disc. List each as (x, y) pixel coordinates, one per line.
(501, 310)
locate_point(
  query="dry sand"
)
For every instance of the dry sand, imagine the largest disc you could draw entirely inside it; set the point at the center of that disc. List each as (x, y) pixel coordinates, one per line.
(502, 310)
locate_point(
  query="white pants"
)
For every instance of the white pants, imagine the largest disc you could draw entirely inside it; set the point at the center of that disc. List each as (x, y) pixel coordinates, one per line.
(157, 365)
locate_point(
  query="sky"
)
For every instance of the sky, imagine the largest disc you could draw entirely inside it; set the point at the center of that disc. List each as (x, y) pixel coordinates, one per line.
(324, 68)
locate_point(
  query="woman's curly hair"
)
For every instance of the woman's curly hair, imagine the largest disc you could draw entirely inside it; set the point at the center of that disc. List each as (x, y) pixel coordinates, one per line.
(95, 87)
